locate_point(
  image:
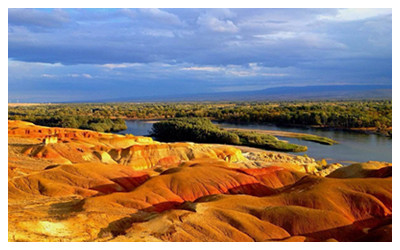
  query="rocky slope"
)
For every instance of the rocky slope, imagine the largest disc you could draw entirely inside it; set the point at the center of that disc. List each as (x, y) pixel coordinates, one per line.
(77, 185)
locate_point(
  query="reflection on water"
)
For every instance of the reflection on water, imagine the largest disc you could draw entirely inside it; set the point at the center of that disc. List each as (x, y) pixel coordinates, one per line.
(352, 146)
(137, 127)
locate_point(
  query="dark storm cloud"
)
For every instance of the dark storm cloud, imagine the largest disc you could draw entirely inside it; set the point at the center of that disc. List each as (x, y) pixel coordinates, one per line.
(37, 18)
(257, 47)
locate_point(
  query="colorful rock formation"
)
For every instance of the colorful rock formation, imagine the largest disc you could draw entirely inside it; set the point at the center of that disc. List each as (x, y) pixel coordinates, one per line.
(90, 186)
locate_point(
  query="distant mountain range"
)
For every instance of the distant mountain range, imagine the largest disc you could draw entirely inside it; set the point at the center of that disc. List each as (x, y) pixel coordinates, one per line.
(322, 92)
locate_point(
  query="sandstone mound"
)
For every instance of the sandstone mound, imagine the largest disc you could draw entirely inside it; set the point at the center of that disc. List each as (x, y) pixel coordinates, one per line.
(363, 170)
(147, 156)
(84, 179)
(89, 186)
(315, 208)
(78, 146)
(46, 152)
(187, 182)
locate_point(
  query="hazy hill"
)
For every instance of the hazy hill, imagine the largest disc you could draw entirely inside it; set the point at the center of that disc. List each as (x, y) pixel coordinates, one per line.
(321, 92)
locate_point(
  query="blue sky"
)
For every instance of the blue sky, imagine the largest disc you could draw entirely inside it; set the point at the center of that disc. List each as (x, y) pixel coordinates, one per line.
(92, 54)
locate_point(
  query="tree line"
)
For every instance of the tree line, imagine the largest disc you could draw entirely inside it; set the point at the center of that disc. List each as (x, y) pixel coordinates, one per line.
(329, 114)
(202, 130)
(74, 121)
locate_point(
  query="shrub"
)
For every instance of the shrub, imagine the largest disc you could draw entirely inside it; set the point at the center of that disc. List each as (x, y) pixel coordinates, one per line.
(203, 130)
(192, 129)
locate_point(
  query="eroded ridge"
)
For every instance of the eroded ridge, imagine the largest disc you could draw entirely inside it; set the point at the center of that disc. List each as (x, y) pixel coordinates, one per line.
(89, 186)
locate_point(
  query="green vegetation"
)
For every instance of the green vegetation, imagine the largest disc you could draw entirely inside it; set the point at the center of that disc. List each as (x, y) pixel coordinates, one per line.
(315, 138)
(330, 114)
(270, 142)
(192, 129)
(203, 130)
(321, 164)
(81, 122)
(300, 136)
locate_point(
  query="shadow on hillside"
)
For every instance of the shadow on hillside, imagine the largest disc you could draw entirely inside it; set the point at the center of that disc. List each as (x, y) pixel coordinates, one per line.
(122, 184)
(368, 230)
(120, 226)
(362, 230)
(64, 210)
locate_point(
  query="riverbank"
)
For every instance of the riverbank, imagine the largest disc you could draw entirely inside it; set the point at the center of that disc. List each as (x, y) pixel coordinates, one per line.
(370, 130)
(352, 147)
(202, 130)
(301, 136)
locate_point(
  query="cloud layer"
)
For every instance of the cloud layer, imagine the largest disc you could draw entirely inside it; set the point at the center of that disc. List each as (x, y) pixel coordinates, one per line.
(133, 52)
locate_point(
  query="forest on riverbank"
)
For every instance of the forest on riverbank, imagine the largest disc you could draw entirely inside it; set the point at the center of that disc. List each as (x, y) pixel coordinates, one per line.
(372, 116)
(202, 130)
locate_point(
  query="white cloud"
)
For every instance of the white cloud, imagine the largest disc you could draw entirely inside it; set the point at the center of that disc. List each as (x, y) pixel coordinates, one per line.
(211, 69)
(84, 75)
(119, 65)
(252, 70)
(215, 24)
(308, 39)
(162, 16)
(355, 14)
(12, 63)
(47, 76)
(222, 13)
(114, 66)
(158, 33)
(87, 76)
(320, 41)
(241, 73)
(20, 69)
(128, 12)
(278, 35)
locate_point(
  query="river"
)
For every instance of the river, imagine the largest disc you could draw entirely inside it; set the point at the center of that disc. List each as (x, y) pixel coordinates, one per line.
(352, 147)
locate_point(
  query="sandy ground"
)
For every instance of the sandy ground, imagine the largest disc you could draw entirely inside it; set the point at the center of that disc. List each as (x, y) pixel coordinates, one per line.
(272, 132)
(27, 104)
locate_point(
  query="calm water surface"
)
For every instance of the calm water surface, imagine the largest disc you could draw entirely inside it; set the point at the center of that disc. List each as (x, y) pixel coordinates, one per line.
(352, 146)
(137, 127)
